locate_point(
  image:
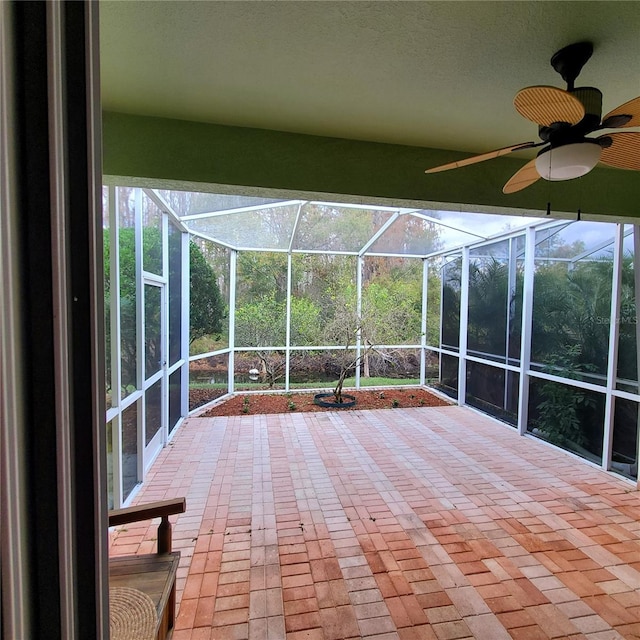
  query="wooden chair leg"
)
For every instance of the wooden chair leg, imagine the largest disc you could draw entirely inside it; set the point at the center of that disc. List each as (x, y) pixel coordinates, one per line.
(172, 608)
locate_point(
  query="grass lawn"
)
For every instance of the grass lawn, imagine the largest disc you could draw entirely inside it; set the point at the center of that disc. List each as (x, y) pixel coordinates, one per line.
(349, 382)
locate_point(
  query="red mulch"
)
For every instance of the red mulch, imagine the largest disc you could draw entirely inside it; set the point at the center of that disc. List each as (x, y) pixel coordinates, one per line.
(280, 402)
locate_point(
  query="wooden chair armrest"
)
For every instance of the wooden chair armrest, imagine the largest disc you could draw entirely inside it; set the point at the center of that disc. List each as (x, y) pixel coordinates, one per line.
(147, 511)
(162, 509)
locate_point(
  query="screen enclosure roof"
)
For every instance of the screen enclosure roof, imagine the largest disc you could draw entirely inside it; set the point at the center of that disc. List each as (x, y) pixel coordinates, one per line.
(247, 223)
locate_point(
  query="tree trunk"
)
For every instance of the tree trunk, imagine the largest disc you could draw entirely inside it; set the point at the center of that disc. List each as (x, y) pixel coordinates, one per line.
(337, 392)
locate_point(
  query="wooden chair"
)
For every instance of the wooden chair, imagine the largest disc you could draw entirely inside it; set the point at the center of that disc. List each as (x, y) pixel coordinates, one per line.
(153, 574)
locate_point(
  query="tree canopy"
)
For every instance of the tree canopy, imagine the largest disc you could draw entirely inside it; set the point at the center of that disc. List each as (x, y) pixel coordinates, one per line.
(207, 308)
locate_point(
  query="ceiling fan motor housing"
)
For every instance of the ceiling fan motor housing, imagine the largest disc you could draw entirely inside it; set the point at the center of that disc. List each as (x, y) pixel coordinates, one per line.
(591, 99)
(561, 133)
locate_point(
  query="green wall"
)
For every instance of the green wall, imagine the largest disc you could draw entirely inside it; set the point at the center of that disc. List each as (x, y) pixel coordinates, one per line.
(178, 150)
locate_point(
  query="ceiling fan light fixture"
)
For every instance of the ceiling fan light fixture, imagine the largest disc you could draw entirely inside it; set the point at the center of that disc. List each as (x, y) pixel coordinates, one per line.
(568, 161)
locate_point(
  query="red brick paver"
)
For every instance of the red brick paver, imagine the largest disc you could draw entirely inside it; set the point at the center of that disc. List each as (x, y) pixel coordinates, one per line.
(396, 524)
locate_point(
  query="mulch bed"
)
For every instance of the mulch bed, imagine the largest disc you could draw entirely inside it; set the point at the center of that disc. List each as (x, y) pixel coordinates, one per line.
(268, 403)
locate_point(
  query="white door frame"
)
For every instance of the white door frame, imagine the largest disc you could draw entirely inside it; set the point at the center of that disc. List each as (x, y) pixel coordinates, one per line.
(151, 450)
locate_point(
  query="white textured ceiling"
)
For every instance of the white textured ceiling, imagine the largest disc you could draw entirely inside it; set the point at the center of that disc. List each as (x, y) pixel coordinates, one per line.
(436, 74)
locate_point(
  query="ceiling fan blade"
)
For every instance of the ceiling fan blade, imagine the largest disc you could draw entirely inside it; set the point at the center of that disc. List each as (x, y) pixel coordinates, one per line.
(496, 153)
(522, 178)
(631, 109)
(624, 151)
(546, 105)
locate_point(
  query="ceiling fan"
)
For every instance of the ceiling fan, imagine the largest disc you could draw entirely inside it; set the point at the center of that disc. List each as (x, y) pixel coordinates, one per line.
(564, 119)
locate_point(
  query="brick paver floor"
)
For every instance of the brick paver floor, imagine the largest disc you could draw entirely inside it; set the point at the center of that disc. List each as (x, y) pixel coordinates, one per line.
(416, 524)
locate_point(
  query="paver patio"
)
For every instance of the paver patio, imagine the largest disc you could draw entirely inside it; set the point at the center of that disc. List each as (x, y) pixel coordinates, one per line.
(422, 524)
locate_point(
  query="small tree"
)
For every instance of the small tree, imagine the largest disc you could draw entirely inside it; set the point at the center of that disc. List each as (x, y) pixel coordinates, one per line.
(345, 327)
(273, 365)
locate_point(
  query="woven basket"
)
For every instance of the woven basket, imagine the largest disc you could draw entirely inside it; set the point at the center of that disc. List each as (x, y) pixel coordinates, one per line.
(132, 615)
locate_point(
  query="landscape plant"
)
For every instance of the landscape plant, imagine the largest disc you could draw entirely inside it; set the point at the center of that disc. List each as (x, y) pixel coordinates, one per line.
(351, 327)
(562, 406)
(570, 340)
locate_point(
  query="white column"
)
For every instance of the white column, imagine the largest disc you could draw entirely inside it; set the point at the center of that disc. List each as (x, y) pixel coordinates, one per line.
(233, 261)
(527, 325)
(441, 321)
(423, 321)
(636, 278)
(137, 222)
(464, 323)
(164, 331)
(185, 306)
(359, 270)
(612, 359)
(288, 324)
